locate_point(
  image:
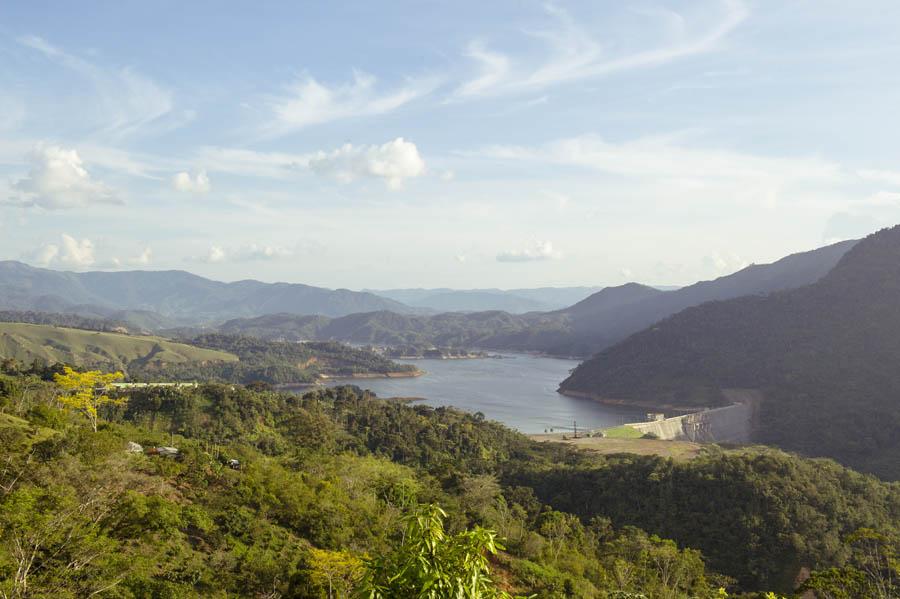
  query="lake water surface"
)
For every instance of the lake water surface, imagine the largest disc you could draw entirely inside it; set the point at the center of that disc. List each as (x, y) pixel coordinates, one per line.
(518, 390)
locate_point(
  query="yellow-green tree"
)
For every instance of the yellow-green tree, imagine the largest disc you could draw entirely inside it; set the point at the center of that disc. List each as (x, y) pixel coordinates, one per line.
(334, 571)
(86, 391)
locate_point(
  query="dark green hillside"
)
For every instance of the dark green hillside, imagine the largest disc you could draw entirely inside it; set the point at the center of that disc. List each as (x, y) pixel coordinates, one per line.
(825, 357)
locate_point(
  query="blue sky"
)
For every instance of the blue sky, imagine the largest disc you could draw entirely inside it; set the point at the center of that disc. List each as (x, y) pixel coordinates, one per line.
(460, 144)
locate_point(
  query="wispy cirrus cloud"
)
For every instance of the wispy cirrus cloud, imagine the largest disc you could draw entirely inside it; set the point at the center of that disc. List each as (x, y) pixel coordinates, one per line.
(307, 101)
(126, 100)
(667, 157)
(573, 53)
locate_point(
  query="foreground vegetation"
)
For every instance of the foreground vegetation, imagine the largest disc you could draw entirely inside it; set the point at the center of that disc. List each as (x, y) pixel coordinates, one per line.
(326, 486)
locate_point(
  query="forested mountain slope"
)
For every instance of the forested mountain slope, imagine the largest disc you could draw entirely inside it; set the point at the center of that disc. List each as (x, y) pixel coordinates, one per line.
(825, 357)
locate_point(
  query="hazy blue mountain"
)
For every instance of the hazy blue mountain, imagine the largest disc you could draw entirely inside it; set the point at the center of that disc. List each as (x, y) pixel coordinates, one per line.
(173, 295)
(514, 301)
(588, 326)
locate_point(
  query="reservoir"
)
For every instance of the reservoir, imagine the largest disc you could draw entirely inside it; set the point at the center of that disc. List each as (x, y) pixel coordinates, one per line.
(517, 390)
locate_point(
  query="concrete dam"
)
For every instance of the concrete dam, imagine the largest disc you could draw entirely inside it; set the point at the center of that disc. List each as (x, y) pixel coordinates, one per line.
(729, 424)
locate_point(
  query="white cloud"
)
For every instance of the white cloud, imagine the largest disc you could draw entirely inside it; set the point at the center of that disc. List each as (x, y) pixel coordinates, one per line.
(542, 250)
(394, 161)
(724, 262)
(309, 102)
(252, 252)
(72, 253)
(494, 69)
(665, 158)
(184, 182)
(573, 53)
(142, 259)
(880, 176)
(216, 254)
(59, 180)
(238, 161)
(126, 100)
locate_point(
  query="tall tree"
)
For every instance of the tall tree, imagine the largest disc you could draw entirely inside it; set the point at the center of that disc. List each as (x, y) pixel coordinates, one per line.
(86, 391)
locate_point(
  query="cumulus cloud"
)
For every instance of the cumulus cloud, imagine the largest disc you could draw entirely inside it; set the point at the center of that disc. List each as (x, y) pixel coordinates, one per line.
(394, 161)
(724, 262)
(142, 259)
(252, 252)
(542, 250)
(71, 252)
(308, 102)
(184, 182)
(58, 180)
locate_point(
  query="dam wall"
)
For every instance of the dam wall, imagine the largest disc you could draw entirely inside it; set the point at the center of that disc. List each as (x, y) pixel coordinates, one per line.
(730, 424)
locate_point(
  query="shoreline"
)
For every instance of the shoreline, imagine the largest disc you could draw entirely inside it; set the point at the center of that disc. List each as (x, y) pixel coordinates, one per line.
(403, 374)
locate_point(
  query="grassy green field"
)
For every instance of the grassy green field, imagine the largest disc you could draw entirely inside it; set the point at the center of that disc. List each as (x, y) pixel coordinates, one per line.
(622, 432)
(26, 342)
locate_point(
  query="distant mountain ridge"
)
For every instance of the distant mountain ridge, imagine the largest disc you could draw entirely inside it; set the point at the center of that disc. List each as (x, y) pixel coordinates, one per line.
(514, 301)
(582, 329)
(825, 357)
(176, 295)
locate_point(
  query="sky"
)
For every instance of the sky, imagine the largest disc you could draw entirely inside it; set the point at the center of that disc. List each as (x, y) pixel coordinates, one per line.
(445, 144)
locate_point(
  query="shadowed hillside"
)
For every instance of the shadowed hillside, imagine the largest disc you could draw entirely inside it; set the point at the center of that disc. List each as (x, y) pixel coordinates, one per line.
(824, 355)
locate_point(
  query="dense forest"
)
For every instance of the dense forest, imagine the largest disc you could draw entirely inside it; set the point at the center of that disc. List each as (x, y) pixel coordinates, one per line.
(824, 356)
(280, 495)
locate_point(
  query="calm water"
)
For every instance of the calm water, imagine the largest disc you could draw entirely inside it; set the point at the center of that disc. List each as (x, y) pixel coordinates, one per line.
(519, 391)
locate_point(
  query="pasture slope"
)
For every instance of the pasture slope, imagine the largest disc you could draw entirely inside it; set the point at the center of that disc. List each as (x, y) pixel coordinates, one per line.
(110, 351)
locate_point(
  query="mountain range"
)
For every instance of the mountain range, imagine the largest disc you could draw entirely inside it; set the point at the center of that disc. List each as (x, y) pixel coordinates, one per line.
(824, 356)
(514, 301)
(592, 324)
(165, 298)
(172, 300)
